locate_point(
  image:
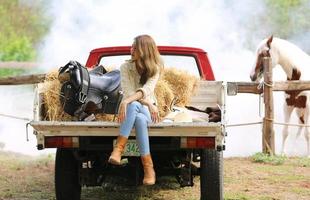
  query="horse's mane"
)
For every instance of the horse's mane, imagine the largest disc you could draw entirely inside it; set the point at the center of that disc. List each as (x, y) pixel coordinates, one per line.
(288, 47)
(288, 55)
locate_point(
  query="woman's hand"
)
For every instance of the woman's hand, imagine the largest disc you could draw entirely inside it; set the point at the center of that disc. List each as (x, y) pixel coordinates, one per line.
(123, 105)
(122, 111)
(154, 113)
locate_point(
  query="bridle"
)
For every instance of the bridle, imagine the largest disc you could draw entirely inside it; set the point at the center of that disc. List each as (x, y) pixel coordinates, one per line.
(265, 53)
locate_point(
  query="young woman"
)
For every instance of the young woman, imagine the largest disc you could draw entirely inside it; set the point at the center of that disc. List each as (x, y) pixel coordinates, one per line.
(139, 76)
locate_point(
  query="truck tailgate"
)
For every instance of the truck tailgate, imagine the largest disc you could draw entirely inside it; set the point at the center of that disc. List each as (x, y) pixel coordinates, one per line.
(62, 128)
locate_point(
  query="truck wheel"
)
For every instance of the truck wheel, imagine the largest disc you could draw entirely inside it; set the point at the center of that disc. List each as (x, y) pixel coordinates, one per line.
(67, 184)
(211, 175)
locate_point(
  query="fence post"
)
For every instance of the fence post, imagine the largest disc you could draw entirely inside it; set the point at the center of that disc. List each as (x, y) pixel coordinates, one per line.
(268, 131)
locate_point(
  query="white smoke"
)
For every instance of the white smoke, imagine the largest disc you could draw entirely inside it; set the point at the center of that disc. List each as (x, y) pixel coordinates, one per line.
(83, 25)
(219, 27)
(17, 102)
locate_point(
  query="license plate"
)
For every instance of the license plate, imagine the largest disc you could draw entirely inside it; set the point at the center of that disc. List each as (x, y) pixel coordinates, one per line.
(131, 148)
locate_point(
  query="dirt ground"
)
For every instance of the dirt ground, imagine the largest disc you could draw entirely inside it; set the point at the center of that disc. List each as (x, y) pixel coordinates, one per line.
(31, 178)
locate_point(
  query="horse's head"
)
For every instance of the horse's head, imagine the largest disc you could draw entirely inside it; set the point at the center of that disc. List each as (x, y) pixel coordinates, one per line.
(263, 50)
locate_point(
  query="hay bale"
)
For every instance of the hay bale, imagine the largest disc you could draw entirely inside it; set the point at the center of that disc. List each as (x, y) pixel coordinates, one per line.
(105, 117)
(50, 89)
(173, 83)
(164, 96)
(183, 84)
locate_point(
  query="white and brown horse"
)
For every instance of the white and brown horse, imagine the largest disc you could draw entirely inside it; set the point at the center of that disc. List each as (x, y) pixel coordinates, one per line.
(294, 62)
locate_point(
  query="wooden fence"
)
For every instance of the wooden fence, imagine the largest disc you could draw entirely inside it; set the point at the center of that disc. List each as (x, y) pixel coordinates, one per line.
(268, 144)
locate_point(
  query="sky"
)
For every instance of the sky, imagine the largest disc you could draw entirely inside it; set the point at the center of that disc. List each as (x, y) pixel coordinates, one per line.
(219, 27)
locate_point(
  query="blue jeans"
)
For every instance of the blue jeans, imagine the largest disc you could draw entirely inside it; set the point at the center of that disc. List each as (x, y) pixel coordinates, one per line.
(137, 116)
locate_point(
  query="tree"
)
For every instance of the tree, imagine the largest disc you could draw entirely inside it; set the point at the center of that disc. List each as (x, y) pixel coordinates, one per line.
(22, 28)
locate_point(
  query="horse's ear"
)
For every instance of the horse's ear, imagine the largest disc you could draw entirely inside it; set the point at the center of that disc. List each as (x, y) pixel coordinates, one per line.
(269, 41)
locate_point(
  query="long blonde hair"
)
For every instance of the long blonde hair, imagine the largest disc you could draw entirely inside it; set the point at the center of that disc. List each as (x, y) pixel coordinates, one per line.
(146, 57)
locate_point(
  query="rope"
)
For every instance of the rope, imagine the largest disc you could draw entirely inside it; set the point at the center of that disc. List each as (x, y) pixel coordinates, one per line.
(262, 83)
(15, 117)
(243, 124)
(277, 123)
(228, 125)
(268, 119)
(289, 124)
(268, 84)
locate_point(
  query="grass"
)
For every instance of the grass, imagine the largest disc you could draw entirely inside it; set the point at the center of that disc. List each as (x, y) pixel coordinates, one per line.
(261, 177)
(304, 162)
(270, 159)
(32, 178)
(4, 72)
(25, 177)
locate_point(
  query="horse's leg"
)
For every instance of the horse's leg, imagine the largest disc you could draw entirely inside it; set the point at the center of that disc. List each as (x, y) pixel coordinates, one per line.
(301, 119)
(287, 115)
(307, 130)
(307, 136)
(301, 114)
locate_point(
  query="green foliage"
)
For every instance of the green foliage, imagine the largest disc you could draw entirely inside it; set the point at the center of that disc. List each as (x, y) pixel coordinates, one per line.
(265, 158)
(288, 17)
(304, 162)
(17, 49)
(22, 28)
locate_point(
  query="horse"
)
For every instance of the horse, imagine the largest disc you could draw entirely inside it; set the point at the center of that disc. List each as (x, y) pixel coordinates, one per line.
(293, 62)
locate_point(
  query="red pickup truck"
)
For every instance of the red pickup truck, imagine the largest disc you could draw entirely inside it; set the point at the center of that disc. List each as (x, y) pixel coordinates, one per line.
(183, 150)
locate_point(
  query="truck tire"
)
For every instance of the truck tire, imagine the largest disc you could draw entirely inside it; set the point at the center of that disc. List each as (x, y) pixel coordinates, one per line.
(211, 175)
(67, 184)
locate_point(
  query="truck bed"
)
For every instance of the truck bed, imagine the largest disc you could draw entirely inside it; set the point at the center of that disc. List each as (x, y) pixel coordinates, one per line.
(208, 94)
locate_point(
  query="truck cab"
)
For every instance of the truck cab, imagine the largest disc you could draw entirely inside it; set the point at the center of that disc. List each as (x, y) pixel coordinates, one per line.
(194, 60)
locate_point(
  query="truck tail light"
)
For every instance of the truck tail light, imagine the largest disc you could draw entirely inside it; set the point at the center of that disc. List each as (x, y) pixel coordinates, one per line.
(62, 142)
(198, 142)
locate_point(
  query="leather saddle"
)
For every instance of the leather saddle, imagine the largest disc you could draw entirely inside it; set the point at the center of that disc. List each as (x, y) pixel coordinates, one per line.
(100, 84)
(90, 92)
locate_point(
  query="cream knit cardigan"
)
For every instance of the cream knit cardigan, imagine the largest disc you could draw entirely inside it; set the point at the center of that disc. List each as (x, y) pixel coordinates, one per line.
(130, 79)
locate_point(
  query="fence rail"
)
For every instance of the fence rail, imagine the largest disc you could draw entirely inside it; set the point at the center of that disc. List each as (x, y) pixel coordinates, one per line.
(24, 79)
(254, 88)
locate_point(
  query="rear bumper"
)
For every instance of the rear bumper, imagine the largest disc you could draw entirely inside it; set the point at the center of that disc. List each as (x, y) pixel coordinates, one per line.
(100, 135)
(105, 144)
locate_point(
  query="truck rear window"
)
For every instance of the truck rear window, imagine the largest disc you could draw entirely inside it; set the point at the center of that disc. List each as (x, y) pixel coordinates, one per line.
(187, 63)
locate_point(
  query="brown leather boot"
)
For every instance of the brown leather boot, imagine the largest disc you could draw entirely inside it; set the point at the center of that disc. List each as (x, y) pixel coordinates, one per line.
(116, 155)
(149, 173)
